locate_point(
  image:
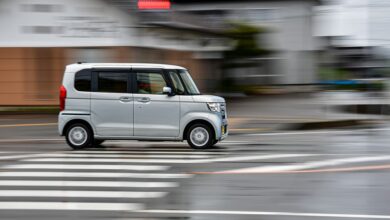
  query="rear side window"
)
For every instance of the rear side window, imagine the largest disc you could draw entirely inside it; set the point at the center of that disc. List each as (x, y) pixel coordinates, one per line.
(82, 81)
(112, 82)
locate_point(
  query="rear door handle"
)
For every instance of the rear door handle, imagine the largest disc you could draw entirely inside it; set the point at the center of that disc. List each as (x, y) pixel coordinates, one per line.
(144, 99)
(125, 99)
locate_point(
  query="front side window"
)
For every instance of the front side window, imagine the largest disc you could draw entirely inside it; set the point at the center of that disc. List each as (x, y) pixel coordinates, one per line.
(82, 81)
(179, 88)
(150, 83)
(115, 82)
(188, 82)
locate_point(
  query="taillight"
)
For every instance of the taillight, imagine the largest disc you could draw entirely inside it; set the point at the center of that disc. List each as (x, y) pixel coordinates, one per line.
(62, 98)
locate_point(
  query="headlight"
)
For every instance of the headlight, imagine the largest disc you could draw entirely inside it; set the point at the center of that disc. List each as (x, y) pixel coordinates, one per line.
(214, 106)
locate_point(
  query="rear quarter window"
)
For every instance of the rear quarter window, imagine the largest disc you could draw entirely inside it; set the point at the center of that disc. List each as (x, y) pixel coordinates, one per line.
(82, 81)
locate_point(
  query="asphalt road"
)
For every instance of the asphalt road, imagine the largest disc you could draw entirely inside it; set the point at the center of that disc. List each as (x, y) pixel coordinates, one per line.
(324, 174)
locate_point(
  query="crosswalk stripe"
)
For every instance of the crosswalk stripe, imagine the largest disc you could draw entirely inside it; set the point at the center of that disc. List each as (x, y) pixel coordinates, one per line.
(87, 167)
(87, 183)
(102, 160)
(174, 161)
(85, 206)
(96, 175)
(143, 151)
(80, 194)
(129, 156)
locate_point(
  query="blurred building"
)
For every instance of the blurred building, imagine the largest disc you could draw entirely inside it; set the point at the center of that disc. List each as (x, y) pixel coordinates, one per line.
(354, 37)
(40, 37)
(289, 34)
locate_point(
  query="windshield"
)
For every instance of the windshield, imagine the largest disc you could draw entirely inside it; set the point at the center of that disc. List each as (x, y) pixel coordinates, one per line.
(189, 84)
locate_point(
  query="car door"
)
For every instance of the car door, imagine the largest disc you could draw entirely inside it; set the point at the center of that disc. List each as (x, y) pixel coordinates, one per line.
(112, 103)
(155, 114)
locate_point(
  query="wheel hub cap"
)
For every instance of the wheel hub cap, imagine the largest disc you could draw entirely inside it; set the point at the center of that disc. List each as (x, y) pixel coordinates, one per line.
(78, 136)
(199, 136)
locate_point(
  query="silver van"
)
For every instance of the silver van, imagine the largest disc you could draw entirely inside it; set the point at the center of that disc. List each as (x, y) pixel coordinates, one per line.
(118, 101)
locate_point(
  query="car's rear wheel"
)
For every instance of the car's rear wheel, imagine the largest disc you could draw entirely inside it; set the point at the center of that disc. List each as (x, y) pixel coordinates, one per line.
(200, 136)
(79, 136)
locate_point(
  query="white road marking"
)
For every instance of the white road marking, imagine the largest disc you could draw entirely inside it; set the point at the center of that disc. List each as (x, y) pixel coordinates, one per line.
(64, 183)
(258, 157)
(80, 194)
(317, 132)
(308, 165)
(259, 213)
(87, 167)
(129, 156)
(23, 156)
(147, 151)
(70, 206)
(212, 160)
(96, 174)
(96, 160)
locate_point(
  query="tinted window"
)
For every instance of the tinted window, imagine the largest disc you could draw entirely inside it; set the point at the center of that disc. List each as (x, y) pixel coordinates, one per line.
(112, 82)
(82, 81)
(150, 83)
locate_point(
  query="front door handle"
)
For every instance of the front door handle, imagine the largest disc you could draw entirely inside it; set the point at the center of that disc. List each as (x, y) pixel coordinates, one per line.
(125, 99)
(143, 99)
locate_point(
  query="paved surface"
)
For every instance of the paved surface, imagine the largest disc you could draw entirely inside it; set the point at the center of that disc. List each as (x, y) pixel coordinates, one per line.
(269, 113)
(279, 175)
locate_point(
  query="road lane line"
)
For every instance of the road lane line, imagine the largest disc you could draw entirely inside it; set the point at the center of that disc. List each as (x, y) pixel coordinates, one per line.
(344, 169)
(260, 213)
(96, 175)
(76, 206)
(63, 183)
(317, 132)
(258, 157)
(87, 167)
(304, 166)
(27, 125)
(176, 161)
(81, 194)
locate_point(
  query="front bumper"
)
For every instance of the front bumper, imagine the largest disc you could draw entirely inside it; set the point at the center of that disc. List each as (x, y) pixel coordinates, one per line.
(223, 130)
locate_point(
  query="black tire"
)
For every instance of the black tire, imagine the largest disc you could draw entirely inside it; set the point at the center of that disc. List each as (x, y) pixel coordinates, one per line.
(85, 143)
(97, 142)
(214, 142)
(204, 145)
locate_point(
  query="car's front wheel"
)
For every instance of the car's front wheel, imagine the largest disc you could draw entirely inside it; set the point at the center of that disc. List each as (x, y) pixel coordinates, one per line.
(200, 136)
(79, 136)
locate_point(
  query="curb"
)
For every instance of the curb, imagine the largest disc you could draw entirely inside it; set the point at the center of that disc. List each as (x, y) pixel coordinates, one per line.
(331, 124)
(28, 110)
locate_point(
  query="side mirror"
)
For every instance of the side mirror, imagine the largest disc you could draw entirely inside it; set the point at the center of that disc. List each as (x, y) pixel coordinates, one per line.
(167, 90)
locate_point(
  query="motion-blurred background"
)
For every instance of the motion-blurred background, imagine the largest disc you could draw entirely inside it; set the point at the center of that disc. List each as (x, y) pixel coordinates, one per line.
(231, 47)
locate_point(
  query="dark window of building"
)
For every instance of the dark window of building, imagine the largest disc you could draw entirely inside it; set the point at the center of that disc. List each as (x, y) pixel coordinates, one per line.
(82, 81)
(112, 82)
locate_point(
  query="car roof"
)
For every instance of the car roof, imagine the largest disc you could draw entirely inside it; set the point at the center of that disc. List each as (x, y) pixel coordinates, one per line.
(79, 66)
